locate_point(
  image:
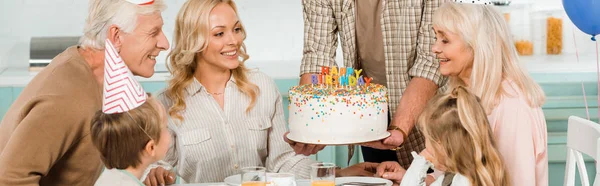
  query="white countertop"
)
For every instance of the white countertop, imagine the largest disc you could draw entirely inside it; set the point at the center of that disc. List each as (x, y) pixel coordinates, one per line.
(566, 63)
(18, 77)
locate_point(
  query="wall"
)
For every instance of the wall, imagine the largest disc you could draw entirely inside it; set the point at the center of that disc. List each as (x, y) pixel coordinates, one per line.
(275, 28)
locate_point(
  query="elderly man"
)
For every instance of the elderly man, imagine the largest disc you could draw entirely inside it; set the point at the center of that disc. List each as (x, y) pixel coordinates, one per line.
(44, 136)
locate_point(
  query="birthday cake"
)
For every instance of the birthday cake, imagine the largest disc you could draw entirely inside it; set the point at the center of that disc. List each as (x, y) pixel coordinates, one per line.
(339, 107)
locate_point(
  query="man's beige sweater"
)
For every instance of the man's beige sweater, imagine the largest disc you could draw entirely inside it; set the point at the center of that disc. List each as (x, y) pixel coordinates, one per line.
(45, 135)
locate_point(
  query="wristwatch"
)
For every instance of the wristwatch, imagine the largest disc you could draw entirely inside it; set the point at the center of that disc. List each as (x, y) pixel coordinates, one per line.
(404, 135)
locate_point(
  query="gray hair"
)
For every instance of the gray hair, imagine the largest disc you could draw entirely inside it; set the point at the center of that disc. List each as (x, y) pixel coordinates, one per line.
(104, 13)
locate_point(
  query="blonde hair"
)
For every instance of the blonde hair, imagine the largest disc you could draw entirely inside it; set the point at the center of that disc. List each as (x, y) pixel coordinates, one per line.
(104, 13)
(457, 127)
(122, 137)
(495, 58)
(189, 39)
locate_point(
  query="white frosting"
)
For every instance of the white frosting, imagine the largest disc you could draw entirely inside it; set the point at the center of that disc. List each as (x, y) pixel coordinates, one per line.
(338, 119)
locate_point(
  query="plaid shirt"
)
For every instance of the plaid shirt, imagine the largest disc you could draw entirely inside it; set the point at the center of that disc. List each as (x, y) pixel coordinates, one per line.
(407, 38)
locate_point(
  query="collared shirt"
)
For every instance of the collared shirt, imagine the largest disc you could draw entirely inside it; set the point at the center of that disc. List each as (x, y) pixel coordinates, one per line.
(407, 39)
(117, 177)
(213, 143)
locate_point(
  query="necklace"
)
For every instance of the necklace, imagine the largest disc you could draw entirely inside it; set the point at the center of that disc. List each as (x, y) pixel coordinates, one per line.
(215, 93)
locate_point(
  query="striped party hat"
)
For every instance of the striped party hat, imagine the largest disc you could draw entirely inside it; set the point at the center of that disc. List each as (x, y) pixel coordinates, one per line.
(141, 2)
(121, 91)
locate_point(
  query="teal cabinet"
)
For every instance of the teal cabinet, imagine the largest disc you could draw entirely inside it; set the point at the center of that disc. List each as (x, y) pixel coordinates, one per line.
(6, 99)
(565, 97)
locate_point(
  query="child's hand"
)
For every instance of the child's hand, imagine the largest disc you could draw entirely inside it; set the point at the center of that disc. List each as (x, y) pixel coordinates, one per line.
(159, 177)
(391, 170)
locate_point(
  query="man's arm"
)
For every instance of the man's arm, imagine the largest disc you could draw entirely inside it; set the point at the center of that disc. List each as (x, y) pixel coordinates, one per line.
(45, 134)
(320, 37)
(426, 78)
(413, 101)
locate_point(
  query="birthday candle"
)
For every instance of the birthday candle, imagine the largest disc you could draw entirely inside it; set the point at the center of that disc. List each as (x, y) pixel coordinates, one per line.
(315, 80)
(349, 71)
(334, 71)
(352, 81)
(342, 71)
(343, 80)
(320, 79)
(368, 80)
(357, 74)
(324, 70)
(328, 79)
(361, 82)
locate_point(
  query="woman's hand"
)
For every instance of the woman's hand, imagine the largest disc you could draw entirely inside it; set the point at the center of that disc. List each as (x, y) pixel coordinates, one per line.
(391, 170)
(159, 177)
(361, 169)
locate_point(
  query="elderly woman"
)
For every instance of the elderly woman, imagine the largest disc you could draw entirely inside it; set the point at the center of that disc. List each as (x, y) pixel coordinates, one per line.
(476, 50)
(223, 116)
(44, 136)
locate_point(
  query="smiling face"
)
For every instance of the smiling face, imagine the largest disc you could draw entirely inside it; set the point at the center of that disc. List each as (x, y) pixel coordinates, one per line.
(456, 58)
(224, 39)
(140, 47)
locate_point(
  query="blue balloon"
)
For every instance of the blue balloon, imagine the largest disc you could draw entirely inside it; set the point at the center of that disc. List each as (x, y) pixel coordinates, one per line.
(585, 14)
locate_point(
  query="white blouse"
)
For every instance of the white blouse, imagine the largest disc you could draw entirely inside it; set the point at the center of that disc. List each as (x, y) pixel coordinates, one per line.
(213, 143)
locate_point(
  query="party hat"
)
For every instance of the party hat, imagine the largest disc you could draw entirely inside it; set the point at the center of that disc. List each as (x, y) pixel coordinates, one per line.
(141, 2)
(121, 91)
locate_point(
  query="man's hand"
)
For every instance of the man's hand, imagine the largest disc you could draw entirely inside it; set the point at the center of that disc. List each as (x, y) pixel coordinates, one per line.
(396, 138)
(391, 170)
(159, 177)
(362, 169)
(302, 148)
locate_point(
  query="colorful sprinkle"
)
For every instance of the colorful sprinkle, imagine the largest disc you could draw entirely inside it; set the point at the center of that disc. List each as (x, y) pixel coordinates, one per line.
(359, 100)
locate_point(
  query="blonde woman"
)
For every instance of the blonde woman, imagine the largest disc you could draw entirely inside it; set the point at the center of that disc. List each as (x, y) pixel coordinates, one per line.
(451, 118)
(223, 116)
(475, 49)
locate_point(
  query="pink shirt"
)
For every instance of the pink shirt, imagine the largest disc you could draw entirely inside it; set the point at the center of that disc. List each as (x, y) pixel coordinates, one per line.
(521, 137)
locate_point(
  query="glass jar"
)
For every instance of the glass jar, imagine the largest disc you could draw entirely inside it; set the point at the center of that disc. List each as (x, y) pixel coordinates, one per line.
(554, 35)
(517, 16)
(548, 31)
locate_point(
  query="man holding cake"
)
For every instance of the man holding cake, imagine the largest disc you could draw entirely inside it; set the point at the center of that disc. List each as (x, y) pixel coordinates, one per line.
(45, 135)
(390, 41)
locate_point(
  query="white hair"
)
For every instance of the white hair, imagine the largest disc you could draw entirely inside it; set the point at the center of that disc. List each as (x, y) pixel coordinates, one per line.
(495, 57)
(104, 13)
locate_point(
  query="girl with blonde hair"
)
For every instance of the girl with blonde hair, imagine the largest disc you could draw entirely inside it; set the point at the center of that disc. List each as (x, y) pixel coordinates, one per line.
(459, 142)
(223, 116)
(475, 49)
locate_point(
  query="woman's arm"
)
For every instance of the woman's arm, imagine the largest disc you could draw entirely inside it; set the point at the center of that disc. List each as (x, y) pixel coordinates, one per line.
(281, 157)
